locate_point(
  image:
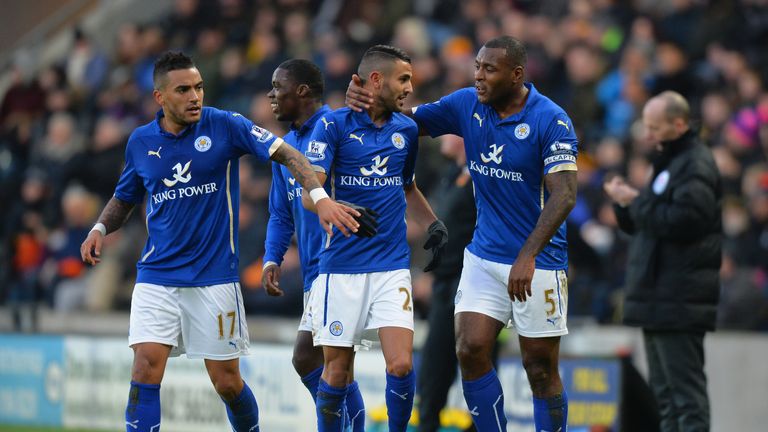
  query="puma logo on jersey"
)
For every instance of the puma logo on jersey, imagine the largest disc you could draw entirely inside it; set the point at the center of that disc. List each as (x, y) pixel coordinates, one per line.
(479, 119)
(359, 138)
(494, 155)
(155, 153)
(564, 124)
(379, 167)
(474, 412)
(291, 180)
(181, 175)
(401, 396)
(326, 122)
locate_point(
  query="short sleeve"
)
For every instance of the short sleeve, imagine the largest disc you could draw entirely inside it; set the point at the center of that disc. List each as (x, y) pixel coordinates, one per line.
(250, 138)
(321, 147)
(130, 187)
(560, 145)
(441, 117)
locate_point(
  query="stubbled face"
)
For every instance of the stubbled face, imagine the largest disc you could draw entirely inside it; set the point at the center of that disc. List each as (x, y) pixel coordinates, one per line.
(181, 96)
(283, 97)
(396, 86)
(495, 77)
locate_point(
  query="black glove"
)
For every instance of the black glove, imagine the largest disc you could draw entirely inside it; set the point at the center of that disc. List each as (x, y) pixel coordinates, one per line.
(367, 219)
(438, 237)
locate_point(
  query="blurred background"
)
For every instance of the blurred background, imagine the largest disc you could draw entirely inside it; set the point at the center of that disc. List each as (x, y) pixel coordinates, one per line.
(76, 79)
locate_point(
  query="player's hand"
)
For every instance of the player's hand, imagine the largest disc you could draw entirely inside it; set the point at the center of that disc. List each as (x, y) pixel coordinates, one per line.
(90, 250)
(358, 98)
(438, 237)
(270, 280)
(368, 219)
(520, 277)
(342, 217)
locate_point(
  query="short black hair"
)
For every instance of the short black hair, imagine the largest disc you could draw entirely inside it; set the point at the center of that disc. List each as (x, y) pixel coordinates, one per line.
(515, 50)
(376, 55)
(305, 72)
(170, 61)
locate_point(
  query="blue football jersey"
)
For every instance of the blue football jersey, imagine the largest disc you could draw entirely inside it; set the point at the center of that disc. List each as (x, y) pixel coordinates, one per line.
(286, 213)
(369, 166)
(192, 184)
(508, 159)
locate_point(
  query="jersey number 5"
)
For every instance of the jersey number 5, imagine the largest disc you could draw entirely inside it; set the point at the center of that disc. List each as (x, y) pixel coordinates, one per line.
(550, 301)
(231, 316)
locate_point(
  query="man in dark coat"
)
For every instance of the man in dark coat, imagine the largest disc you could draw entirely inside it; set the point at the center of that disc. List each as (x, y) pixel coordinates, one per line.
(672, 284)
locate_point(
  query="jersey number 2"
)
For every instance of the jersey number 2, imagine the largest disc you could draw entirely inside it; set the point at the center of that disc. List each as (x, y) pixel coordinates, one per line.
(407, 302)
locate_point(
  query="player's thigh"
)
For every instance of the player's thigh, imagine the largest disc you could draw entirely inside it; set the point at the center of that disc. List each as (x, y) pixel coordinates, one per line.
(483, 289)
(149, 360)
(391, 304)
(213, 322)
(338, 308)
(544, 314)
(155, 315)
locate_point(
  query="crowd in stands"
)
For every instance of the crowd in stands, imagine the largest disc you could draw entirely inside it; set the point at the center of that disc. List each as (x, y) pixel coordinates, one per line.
(64, 127)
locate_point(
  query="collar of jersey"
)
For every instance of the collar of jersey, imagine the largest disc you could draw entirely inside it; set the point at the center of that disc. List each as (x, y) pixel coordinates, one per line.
(310, 123)
(365, 120)
(160, 114)
(533, 95)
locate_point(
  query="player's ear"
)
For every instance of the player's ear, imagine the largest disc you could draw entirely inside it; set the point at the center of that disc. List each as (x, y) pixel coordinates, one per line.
(519, 73)
(158, 95)
(376, 78)
(302, 90)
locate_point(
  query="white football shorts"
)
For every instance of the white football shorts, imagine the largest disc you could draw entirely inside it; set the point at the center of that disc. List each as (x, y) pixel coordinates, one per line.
(202, 322)
(306, 316)
(343, 306)
(483, 289)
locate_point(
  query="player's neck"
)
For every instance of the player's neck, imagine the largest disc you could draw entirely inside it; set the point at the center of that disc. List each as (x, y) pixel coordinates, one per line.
(171, 126)
(379, 115)
(514, 104)
(306, 112)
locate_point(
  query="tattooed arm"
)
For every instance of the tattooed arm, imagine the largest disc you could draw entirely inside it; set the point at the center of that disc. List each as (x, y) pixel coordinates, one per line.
(298, 165)
(328, 211)
(113, 217)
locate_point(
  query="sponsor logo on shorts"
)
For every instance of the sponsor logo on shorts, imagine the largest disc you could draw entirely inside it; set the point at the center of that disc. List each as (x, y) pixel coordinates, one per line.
(457, 299)
(336, 328)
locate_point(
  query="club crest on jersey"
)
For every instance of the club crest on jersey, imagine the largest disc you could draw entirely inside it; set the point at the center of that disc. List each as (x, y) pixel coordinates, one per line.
(336, 328)
(661, 182)
(398, 141)
(261, 134)
(522, 131)
(203, 143)
(316, 151)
